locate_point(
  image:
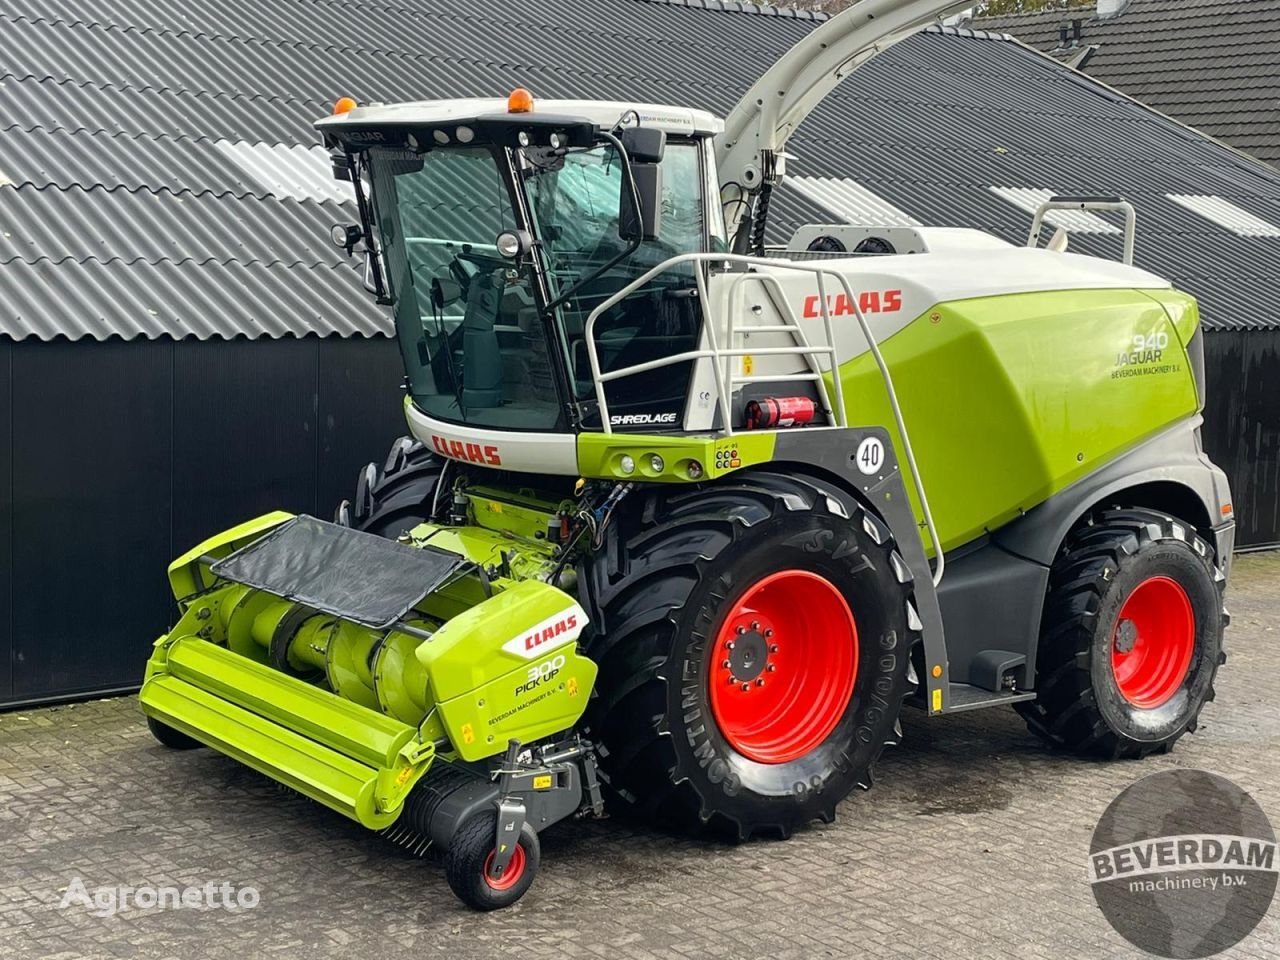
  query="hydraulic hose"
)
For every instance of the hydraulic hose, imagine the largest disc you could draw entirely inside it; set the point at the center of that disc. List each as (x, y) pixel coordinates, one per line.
(760, 219)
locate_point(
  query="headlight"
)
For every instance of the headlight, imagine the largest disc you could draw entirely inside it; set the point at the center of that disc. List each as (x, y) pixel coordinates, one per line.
(509, 244)
(627, 463)
(656, 463)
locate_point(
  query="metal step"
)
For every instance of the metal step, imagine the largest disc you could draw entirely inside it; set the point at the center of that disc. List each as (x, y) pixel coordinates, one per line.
(965, 696)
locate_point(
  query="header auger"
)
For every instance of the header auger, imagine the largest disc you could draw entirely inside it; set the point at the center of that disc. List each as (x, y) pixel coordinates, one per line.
(682, 521)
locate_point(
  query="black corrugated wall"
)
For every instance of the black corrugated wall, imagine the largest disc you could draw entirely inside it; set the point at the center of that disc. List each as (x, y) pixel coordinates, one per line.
(1242, 426)
(116, 457)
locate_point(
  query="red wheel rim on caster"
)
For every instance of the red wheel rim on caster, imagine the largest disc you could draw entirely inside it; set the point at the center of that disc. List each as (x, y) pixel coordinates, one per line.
(783, 666)
(510, 876)
(1153, 642)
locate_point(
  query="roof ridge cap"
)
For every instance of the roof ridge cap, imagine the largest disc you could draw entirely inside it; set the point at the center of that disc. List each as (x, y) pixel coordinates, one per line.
(748, 7)
(963, 30)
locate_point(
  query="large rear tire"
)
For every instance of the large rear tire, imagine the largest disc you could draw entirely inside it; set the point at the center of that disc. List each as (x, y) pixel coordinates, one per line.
(1131, 637)
(753, 639)
(396, 497)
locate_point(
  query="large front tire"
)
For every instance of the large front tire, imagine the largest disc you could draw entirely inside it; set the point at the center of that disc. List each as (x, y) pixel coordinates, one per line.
(687, 573)
(396, 497)
(1131, 637)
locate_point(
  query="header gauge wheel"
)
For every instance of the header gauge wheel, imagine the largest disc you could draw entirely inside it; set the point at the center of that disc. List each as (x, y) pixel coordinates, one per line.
(469, 861)
(753, 639)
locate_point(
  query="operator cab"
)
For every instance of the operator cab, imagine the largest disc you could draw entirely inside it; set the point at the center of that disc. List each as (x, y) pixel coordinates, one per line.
(492, 229)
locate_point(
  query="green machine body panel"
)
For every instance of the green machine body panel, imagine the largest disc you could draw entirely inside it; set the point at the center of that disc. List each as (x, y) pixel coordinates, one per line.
(1011, 399)
(508, 668)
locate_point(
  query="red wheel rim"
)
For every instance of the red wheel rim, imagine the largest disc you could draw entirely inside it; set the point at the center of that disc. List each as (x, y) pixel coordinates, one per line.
(511, 875)
(1153, 642)
(783, 666)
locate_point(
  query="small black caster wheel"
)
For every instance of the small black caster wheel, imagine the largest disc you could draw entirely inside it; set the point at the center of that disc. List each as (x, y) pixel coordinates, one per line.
(471, 852)
(171, 738)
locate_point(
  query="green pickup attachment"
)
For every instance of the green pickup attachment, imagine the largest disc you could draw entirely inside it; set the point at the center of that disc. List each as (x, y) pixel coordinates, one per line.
(341, 669)
(426, 690)
(352, 759)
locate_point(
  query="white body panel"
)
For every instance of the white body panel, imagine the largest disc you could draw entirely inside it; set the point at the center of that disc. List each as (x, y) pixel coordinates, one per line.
(507, 449)
(892, 292)
(902, 239)
(605, 113)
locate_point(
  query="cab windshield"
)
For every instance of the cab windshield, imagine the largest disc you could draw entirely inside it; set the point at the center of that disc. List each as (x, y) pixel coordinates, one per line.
(469, 321)
(576, 201)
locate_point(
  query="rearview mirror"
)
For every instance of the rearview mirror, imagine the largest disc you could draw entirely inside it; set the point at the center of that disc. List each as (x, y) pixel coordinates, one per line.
(645, 148)
(644, 144)
(645, 223)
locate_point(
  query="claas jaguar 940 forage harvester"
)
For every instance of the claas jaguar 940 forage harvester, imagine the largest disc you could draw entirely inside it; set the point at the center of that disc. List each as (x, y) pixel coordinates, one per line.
(683, 521)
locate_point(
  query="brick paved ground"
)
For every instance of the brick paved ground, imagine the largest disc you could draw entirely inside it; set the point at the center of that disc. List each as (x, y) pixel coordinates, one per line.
(971, 845)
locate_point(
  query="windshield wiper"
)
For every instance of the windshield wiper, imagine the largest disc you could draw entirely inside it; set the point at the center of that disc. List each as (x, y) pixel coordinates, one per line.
(454, 379)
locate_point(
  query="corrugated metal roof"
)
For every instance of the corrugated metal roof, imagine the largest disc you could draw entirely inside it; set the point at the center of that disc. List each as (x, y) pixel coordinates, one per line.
(1227, 214)
(180, 228)
(146, 145)
(852, 201)
(95, 299)
(1029, 199)
(1210, 63)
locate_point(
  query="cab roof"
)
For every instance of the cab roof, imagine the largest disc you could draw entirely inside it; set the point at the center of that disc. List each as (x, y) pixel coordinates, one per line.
(676, 121)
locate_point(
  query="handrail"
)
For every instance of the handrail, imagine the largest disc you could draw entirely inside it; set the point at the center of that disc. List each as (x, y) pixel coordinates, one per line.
(1087, 204)
(703, 262)
(835, 413)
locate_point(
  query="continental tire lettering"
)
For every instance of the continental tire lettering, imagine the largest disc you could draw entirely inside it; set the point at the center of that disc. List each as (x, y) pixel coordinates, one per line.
(843, 550)
(714, 766)
(689, 701)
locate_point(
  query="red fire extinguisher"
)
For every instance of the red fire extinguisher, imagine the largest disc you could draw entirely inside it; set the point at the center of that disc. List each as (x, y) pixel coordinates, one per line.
(779, 412)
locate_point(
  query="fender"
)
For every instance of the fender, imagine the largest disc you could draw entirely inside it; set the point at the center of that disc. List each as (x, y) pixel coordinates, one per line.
(1171, 457)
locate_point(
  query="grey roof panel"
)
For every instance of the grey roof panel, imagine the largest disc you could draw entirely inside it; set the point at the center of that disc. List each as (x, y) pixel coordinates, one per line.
(62, 159)
(184, 228)
(77, 300)
(78, 106)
